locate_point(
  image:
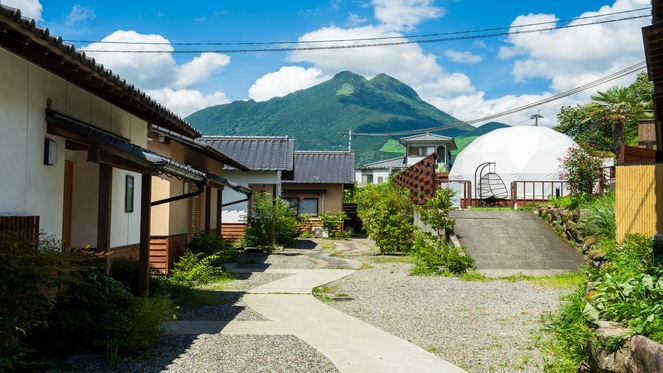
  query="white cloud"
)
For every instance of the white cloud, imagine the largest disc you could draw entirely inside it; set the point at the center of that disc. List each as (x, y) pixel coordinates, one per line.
(355, 20)
(184, 102)
(158, 73)
(405, 14)
(408, 63)
(462, 57)
(569, 57)
(79, 14)
(287, 80)
(29, 8)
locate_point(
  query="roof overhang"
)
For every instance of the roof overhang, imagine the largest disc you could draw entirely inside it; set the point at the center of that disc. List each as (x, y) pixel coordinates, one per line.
(24, 38)
(105, 148)
(200, 147)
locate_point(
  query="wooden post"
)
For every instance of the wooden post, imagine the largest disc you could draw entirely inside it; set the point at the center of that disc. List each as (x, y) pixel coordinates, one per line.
(105, 205)
(144, 251)
(208, 209)
(219, 211)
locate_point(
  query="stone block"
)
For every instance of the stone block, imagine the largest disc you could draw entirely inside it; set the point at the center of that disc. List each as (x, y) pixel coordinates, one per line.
(646, 356)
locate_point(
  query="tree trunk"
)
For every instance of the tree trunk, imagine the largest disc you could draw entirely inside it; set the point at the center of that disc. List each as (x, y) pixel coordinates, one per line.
(618, 136)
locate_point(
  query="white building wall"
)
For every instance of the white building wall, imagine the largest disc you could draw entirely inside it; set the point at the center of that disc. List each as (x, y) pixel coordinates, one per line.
(234, 213)
(27, 186)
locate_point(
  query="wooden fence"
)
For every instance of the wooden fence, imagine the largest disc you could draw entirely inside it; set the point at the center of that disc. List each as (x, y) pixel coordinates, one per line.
(28, 225)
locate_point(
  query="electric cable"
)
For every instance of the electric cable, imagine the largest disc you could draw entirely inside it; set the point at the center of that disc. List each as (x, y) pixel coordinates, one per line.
(354, 46)
(359, 39)
(605, 79)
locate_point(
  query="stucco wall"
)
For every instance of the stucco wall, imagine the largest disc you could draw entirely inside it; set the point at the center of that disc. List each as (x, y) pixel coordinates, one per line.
(331, 201)
(27, 186)
(255, 179)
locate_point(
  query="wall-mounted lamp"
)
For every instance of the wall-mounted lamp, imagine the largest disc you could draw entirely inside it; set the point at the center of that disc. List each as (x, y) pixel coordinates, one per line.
(50, 152)
(162, 138)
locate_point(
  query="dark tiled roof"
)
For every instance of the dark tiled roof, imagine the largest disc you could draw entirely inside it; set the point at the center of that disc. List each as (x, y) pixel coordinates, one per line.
(394, 163)
(23, 37)
(324, 167)
(201, 147)
(258, 153)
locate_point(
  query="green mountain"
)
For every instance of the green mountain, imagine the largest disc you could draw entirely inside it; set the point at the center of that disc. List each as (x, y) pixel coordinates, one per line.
(316, 117)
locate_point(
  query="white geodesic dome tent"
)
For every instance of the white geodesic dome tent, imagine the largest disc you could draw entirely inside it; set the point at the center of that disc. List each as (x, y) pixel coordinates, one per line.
(525, 153)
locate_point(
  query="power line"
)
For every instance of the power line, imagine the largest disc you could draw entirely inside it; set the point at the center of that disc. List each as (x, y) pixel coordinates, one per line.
(352, 46)
(361, 39)
(605, 79)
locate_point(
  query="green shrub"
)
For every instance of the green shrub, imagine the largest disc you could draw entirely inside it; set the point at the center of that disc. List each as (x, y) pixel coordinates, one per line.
(598, 217)
(209, 244)
(332, 222)
(272, 222)
(196, 267)
(431, 259)
(581, 169)
(386, 213)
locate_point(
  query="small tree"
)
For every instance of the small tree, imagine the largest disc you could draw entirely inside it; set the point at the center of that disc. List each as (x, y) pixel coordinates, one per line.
(386, 212)
(332, 222)
(272, 222)
(581, 170)
(435, 213)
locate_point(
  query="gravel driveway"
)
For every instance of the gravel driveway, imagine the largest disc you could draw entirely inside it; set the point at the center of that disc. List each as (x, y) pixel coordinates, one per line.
(479, 326)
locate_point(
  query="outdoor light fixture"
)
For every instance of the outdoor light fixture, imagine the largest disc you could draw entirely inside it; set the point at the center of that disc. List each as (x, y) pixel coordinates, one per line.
(50, 152)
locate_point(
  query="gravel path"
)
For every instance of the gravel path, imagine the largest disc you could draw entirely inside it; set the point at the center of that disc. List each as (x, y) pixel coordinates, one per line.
(479, 326)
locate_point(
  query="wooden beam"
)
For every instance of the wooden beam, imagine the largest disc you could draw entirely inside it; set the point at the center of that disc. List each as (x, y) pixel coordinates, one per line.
(100, 155)
(105, 204)
(208, 209)
(144, 251)
(219, 211)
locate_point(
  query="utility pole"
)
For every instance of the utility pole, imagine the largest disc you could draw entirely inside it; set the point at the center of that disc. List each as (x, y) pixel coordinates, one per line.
(350, 141)
(536, 118)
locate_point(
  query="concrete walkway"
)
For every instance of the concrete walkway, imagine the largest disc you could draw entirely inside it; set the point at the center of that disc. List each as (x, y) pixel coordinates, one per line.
(350, 344)
(506, 243)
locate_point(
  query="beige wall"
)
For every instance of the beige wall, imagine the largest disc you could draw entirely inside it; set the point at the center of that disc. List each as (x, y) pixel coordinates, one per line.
(331, 201)
(27, 186)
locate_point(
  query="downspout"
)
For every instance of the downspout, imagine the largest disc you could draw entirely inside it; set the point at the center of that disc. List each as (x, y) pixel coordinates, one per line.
(201, 190)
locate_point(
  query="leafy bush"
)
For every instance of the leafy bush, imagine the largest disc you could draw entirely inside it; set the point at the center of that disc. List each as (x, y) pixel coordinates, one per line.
(432, 257)
(598, 217)
(386, 213)
(435, 213)
(332, 222)
(272, 222)
(212, 244)
(96, 309)
(581, 170)
(628, 289)
(196, 267)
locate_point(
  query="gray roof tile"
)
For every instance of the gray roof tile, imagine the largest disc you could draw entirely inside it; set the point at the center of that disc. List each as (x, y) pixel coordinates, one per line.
(425, 137)
(258, 153)
(324, 167)
(388, 164)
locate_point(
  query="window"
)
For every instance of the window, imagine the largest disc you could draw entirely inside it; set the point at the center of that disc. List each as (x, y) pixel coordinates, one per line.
(380, 179)
(418, 151)
(129, 194)
(369, 179)
(304, 206)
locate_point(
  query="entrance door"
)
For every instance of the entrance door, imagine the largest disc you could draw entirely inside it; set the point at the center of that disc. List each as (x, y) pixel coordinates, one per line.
(67, 204)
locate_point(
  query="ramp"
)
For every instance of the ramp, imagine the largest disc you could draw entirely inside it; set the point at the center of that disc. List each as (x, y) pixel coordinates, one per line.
(506, 243)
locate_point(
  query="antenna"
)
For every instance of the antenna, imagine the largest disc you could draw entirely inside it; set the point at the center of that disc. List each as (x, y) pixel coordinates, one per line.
(536, 117)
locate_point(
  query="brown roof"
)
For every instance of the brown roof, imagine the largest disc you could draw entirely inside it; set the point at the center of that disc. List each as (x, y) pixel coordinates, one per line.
(23, 37)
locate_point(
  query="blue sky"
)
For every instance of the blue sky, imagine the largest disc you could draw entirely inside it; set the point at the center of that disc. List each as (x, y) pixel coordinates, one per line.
(468, 79)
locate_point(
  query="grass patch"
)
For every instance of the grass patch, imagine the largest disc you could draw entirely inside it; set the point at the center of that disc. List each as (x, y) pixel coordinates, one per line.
(393, 259)
(365, 266)
(561, 281)
(326, 293)
(337, 255)
(328, 246)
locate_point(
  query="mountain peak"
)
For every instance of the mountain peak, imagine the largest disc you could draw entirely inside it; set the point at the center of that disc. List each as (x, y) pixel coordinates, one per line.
(387, 83)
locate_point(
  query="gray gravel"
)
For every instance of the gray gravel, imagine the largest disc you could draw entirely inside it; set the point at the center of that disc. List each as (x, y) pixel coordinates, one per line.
(223, 353)
(479, 326)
